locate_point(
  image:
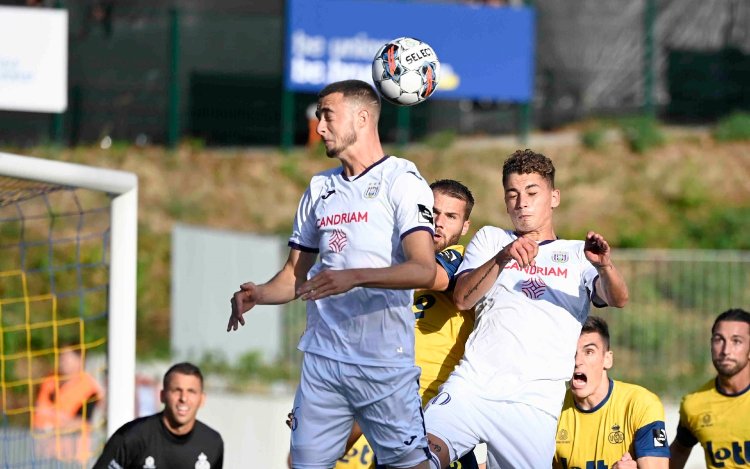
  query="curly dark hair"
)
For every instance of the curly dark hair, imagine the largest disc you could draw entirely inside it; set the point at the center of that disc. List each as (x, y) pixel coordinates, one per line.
(527, 162)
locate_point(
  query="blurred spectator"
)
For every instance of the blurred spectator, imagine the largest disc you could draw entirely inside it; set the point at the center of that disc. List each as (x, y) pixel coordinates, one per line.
(65, 406)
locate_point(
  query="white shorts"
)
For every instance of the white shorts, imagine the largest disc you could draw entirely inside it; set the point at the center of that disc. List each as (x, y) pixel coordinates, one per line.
(517, 435)
(384, 401)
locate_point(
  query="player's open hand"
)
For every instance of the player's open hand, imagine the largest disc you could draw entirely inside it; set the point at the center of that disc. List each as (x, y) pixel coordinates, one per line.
(326, 283)
(523, 250)
(597, 250)
(242, 301)
(625, 462)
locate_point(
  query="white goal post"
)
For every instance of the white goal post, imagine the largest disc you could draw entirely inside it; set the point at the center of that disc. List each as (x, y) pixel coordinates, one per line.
(123, 188)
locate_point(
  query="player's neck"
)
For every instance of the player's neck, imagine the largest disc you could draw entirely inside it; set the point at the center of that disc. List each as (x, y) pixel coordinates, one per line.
(735, 384)
(544, 234)
(361, 155)
(175, 428)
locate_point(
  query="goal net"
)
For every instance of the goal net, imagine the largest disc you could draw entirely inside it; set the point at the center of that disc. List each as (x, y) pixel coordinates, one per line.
(67, 310)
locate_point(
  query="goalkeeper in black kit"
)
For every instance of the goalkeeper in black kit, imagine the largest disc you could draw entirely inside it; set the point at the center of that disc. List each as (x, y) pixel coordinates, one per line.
(171, 439)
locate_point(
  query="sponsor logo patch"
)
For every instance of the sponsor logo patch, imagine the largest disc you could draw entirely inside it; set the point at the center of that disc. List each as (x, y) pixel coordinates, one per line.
(425, 214)
(660, 437)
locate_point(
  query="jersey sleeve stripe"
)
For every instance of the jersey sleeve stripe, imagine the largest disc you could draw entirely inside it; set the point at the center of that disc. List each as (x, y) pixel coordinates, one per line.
(302, 248)
(417, 228)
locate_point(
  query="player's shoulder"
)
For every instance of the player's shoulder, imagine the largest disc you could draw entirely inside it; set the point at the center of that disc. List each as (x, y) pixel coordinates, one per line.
(398, 167)
(139, 427)
(697, 397)
(322, 176)
(635, 393)
(495, 232)
(207, 431)
(459, 248)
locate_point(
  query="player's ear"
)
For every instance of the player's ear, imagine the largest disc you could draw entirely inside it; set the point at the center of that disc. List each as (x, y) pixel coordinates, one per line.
(609, 359)
(162, 396)
(465, 228)
(203, 399)
(363, 116)
(555, 198)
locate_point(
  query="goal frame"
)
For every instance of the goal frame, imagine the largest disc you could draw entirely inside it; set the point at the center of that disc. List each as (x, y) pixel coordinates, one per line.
(123, 187)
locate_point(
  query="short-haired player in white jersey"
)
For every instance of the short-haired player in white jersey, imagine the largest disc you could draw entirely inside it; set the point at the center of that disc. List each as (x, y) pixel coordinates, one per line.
(369, 225)
(531, 292)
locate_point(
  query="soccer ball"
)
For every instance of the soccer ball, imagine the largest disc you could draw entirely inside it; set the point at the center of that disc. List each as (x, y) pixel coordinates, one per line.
(406, 71)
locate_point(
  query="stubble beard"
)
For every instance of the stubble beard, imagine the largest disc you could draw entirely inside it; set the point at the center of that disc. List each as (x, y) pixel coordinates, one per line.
(347, 140)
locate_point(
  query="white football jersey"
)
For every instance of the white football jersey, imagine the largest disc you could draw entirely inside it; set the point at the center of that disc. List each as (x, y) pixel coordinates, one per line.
(524, 341)
(360, 223)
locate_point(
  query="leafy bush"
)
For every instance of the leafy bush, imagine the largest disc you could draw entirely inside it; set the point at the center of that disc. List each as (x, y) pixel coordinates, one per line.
(593, 138)
(736, 127)
(642, 133)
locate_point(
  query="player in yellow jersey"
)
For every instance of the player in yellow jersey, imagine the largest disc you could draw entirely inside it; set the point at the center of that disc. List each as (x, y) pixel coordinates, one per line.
(441, 330)
(717, 415)
(604, 423)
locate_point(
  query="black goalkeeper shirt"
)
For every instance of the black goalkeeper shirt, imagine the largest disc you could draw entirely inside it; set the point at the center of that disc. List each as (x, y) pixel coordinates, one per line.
(145, 443)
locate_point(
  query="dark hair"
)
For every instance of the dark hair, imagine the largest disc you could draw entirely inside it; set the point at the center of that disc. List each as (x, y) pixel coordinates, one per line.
(183, 368)
(455, 189)
(734, 314)
(598, 325)
(527, 162)
(354, 90)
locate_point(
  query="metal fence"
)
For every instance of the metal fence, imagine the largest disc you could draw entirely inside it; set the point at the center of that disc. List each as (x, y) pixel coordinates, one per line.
(144, 72)
(661, 338)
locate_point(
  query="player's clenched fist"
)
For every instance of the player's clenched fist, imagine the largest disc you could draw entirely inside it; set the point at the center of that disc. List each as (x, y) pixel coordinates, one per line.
(242, 301)
(597, 250)
(522, 250)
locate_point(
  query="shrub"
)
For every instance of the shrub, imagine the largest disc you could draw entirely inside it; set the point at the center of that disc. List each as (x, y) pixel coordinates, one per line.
(642, 133)
(736, 127)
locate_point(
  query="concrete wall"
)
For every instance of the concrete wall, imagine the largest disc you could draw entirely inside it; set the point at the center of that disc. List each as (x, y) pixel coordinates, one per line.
(253, 428)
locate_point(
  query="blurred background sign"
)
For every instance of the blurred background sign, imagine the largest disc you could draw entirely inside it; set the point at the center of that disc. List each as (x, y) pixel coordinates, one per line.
(33, 59)
(485, 52)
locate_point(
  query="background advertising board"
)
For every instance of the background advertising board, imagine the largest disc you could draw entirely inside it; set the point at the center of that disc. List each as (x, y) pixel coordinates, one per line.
(485, 52)
(33, 59)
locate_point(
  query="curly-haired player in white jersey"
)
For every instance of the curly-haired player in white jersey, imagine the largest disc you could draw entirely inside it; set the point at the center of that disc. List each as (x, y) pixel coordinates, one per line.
(370, 223)
(531, 292)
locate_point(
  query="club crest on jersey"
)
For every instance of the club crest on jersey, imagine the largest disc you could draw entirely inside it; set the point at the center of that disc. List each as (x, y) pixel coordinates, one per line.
(560, 257)
(562, 436)
(705, 420)
(149, 463)
(202, 462)
(617, 436)
(372, 190)
(425, 214)
(533, 288)
(338, 241)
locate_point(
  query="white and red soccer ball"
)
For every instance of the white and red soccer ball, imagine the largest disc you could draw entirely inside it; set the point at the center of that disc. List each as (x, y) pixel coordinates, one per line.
(406, 71)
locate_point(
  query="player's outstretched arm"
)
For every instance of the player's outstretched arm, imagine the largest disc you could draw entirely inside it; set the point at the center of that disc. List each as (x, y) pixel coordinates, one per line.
(651, 462)
(418, 271)
(471, 286)
(611, 287)
(679, 455)
(280, 289)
